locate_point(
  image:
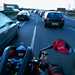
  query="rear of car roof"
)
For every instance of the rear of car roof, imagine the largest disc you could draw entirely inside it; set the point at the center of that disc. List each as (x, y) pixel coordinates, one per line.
(57, 12)
(24, 12)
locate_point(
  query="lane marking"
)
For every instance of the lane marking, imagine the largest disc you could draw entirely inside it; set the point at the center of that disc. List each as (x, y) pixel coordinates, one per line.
(33, 38)
(21, 25)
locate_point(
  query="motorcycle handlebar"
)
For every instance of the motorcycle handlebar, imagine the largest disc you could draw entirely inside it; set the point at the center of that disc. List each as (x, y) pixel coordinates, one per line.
(44, 49)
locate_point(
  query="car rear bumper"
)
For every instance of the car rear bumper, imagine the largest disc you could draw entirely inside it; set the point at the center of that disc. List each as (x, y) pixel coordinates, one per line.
(22, 18)
(59, 24)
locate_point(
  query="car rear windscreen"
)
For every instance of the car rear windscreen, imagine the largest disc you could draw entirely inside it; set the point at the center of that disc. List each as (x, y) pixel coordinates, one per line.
(54, 15)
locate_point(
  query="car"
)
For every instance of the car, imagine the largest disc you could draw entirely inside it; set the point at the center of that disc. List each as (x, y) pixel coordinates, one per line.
(54, 19)
(11, 9)
(8, 30)
(23, 15)
(30, 11)
(35, 11)
(42, 13)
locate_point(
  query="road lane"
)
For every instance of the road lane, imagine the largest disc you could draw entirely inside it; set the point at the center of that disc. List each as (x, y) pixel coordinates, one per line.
(33, 38)
(25, 33)
(69, 22)
(48, 35)
(45, 36)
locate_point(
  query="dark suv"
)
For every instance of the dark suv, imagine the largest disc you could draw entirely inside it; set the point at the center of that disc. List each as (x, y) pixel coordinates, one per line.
(54, 19)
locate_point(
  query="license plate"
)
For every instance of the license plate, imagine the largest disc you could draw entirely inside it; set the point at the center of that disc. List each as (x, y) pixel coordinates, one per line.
(55, 24)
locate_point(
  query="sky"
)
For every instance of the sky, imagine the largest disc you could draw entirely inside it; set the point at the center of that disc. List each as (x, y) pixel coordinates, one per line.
(42, 4)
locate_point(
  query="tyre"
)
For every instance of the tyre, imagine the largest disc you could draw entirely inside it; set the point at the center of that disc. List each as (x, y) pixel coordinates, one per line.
(20, 18)
(46, 25)
(61, 25)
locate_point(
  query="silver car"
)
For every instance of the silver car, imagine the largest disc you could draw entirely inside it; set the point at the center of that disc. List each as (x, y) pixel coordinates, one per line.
(23, 16)
(8, 30)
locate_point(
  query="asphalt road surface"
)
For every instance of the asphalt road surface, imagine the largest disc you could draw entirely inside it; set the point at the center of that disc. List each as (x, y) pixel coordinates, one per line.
(34, 34)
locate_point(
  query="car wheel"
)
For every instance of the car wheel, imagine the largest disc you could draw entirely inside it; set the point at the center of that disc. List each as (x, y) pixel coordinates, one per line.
(61, 25)
(46, 25)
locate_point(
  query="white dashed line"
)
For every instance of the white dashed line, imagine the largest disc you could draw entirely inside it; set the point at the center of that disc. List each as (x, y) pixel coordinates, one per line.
(33, 38)
(22, 24)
